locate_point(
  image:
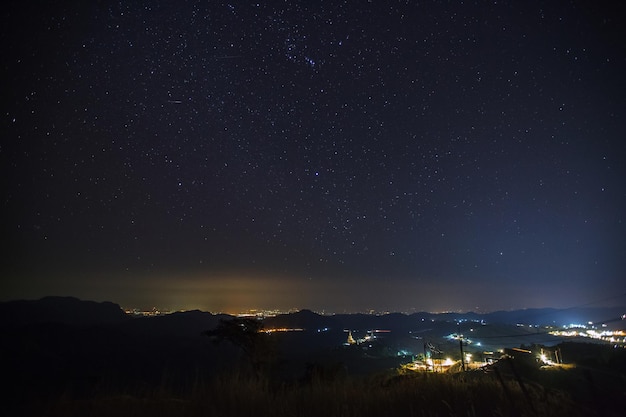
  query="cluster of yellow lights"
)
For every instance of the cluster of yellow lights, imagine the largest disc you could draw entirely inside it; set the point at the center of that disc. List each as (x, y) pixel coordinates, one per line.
(438, 362)
(147, 313)
(282, 329)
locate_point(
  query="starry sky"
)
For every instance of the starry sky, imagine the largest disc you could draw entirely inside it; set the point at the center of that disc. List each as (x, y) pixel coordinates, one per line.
(331, 155)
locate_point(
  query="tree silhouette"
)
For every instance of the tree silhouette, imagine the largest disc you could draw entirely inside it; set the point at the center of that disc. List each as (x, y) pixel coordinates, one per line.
(247, 334)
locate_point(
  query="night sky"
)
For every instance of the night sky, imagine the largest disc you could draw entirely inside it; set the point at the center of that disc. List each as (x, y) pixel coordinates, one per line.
(337, 156)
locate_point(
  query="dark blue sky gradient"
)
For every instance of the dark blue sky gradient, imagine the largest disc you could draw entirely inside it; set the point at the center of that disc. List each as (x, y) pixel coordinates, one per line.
(326, 155)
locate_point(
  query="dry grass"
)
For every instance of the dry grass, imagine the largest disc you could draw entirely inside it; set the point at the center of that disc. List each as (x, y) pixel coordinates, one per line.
(392, 394)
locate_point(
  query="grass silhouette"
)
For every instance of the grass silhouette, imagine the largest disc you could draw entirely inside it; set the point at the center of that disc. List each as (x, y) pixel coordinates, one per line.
(593, 384)
(384, 394)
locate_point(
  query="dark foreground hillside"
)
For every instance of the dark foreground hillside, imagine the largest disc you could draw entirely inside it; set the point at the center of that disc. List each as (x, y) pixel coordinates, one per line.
(508, 388)
(110, 365)
(388, 394)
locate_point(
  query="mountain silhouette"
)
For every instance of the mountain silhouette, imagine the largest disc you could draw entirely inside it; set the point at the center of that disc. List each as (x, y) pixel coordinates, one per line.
(65, 310)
